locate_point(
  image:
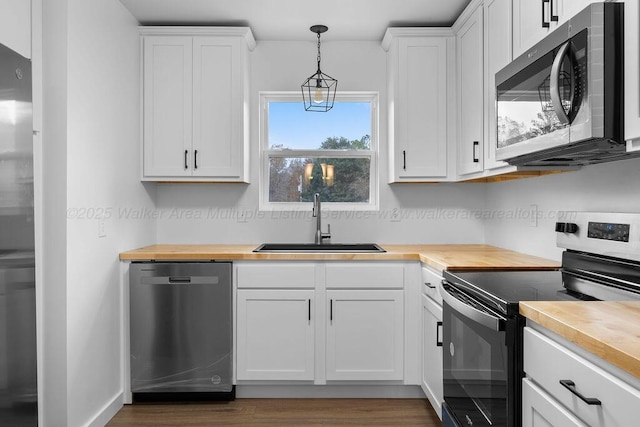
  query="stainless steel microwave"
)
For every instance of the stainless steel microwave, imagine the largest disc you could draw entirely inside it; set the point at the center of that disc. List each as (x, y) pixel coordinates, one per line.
(562, 101)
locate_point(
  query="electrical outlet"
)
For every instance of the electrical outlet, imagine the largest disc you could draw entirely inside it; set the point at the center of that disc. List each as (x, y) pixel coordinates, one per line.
(102, 232)
(533, 216)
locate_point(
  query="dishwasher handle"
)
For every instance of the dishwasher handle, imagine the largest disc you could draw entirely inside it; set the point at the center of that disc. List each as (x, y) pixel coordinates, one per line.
(179, 280)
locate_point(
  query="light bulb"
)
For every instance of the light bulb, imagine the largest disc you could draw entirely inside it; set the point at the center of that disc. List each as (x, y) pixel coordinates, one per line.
(318, 95)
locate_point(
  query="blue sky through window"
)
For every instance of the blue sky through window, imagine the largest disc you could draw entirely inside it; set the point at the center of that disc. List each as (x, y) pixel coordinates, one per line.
(293, 127)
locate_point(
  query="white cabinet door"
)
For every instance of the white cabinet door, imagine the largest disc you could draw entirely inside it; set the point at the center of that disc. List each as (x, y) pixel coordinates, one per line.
(275, 335)
(218, 107)
(470, 95)
(534, 19)
(632, 71)
(497, 54)
(568, 8)
(167, 104)
(422, 108)
(531, 23)
(432, 352)
(365, 335)
(541, 410)
(419, 72)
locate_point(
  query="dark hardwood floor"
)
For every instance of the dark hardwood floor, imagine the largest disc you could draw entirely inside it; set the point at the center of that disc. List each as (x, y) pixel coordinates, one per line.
(281, 412)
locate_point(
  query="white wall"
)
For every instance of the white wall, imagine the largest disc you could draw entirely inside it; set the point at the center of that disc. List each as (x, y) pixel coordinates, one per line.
(609, 187)
(90, 166)
(439, 213)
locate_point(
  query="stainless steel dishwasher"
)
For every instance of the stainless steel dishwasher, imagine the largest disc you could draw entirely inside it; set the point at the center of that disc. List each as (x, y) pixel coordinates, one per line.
(181, 331)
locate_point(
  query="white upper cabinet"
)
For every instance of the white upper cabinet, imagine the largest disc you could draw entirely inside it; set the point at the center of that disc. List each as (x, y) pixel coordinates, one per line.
(470, 95)
(15, 26)
(195, 103)
(419, 85)
(497, 54)
(534, 19)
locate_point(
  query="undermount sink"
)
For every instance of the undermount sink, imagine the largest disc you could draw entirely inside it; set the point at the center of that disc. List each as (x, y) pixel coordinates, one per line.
(313, 247)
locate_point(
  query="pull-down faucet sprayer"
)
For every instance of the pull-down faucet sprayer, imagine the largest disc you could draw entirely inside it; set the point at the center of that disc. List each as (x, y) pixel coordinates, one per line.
(320, 236)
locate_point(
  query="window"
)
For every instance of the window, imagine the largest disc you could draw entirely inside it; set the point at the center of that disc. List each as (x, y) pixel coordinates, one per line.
(333, 153)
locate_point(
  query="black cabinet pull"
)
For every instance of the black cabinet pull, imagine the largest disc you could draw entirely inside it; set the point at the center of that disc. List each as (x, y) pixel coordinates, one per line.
(554, 18)
(195, 159)
(545, 24)
(331, 310)
(404, 160)
(309, 310)
(429, 285)
(571, 386)
(186, 152)
(438, 339)
(476, 144)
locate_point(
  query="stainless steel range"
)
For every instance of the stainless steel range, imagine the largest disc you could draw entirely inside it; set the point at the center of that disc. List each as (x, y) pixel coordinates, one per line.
(482, 328)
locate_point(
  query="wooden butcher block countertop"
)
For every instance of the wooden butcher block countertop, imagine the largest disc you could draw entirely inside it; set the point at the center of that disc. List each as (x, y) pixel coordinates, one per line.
(440, 257)
(610, 330)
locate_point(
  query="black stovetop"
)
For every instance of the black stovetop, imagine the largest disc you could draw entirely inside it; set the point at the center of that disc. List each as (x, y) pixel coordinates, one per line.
(503, 290)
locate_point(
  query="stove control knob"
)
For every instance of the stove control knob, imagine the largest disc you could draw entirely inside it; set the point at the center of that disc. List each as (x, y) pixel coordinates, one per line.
(566, 227)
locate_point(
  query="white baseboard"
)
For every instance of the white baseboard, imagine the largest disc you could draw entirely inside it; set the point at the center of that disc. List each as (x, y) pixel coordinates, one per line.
(329, 391)
(107, 412)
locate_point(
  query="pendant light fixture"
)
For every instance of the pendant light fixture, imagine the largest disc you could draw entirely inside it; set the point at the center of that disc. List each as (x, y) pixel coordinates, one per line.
(319, 90)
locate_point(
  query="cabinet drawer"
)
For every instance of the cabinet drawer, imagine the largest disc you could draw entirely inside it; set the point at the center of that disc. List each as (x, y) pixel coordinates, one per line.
(547, 362)
(357, 276)
(275, 274)
(431, 284)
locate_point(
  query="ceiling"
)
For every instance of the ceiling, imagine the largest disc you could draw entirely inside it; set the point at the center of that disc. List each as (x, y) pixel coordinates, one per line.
(291, 19)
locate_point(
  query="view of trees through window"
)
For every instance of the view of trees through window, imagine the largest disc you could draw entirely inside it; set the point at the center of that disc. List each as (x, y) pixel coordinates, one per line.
(337, 179)
(326, 153)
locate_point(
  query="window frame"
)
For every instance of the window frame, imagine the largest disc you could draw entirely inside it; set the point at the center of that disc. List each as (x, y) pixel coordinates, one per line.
(266, 153)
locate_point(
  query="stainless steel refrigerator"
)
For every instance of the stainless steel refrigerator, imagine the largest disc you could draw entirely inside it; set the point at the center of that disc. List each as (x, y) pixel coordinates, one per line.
(18, 385)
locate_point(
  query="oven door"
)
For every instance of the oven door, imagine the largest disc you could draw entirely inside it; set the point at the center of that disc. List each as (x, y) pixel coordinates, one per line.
(479, 362)
(539, 105)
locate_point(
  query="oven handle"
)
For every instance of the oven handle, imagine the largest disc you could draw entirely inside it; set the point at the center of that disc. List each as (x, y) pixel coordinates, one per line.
(487, 320)
(554, 84)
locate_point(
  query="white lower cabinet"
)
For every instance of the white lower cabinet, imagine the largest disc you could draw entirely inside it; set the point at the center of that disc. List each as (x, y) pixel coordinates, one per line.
(432, 352)
(541, 410)
(365, 335)
(275, 338)
(564, 388)
(317, 322)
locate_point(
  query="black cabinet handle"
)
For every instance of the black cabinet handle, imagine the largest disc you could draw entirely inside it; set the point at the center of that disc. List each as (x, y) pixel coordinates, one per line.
(309, 310)
(429, 285)
(195, 159)
(331, 310)
(554, 18)
(438, 339)
(404, 160)
(571, 386)
(476, 144)
(545, 24)
(186, 152)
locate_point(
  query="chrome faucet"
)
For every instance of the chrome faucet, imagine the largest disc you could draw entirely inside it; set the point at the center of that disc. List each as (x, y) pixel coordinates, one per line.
(320, 236)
